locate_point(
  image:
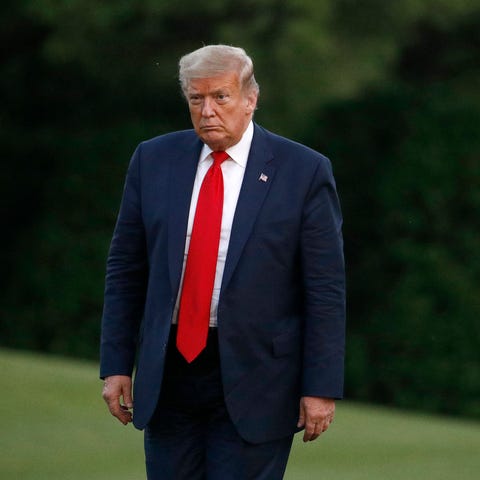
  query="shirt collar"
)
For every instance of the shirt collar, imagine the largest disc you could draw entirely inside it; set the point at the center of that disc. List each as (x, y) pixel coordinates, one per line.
(238, 152)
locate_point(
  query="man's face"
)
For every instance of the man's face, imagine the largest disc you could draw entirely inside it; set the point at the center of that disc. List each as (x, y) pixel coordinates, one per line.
(219, 109)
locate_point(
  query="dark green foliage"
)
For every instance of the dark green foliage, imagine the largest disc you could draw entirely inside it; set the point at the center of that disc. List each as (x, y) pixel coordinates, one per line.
(389, 91)
(408, 166)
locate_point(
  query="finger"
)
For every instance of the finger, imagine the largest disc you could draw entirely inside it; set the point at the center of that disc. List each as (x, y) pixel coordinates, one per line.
(126, 415)
(121, 412)
(127, 396)
(116, 409)
(112, 400)
(309, 433)
(313, 432)
(301, 416)
(317, 432)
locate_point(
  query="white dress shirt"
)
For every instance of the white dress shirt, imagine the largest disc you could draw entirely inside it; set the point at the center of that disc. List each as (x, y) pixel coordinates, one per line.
(233, 170)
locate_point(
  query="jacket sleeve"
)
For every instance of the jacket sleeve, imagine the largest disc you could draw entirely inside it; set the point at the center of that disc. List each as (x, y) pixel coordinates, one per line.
(126, 280)
(324, 287)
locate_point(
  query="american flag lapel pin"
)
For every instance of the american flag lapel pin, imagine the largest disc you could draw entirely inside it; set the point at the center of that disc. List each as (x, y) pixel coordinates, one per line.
(263, 177)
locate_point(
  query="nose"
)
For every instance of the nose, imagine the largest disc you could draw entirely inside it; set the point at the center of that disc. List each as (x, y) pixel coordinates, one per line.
(208, 109)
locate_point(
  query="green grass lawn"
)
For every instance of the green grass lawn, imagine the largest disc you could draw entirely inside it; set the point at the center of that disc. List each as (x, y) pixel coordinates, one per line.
(56, 426)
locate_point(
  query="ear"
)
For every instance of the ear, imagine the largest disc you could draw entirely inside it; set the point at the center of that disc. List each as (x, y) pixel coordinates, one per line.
(251, 103)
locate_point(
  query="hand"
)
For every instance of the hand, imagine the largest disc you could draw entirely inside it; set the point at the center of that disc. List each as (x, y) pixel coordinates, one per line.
(115, 387)
(316, 415)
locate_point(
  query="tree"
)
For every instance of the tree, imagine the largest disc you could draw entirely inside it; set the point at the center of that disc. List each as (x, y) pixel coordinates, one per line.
(412, 203)
(387, 89)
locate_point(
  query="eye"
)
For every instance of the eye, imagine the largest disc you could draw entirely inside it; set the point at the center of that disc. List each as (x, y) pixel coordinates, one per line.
(222, 97)
(194, 99)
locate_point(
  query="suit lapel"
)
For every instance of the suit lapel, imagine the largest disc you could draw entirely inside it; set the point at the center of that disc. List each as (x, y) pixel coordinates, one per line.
(183, 169)
(258, 177)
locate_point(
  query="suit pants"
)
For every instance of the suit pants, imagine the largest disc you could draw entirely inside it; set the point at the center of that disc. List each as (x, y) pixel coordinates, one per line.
(191, 436)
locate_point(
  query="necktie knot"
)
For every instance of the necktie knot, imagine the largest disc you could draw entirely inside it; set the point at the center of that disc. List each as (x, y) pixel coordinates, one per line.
(219, 157)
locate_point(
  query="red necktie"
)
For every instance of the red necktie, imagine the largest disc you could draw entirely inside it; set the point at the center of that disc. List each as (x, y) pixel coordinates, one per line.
(199, 277)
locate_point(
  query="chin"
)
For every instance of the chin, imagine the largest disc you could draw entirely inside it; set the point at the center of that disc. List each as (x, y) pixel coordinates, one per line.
(215, 142)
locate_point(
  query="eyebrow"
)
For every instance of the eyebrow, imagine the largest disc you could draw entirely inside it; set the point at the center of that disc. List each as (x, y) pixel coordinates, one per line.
(213, 92)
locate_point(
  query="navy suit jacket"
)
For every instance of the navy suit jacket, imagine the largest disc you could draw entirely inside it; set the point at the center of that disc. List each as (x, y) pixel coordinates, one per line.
(281, 313)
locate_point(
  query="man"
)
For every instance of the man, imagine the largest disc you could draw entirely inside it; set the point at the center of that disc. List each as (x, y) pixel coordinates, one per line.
(225, 278)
